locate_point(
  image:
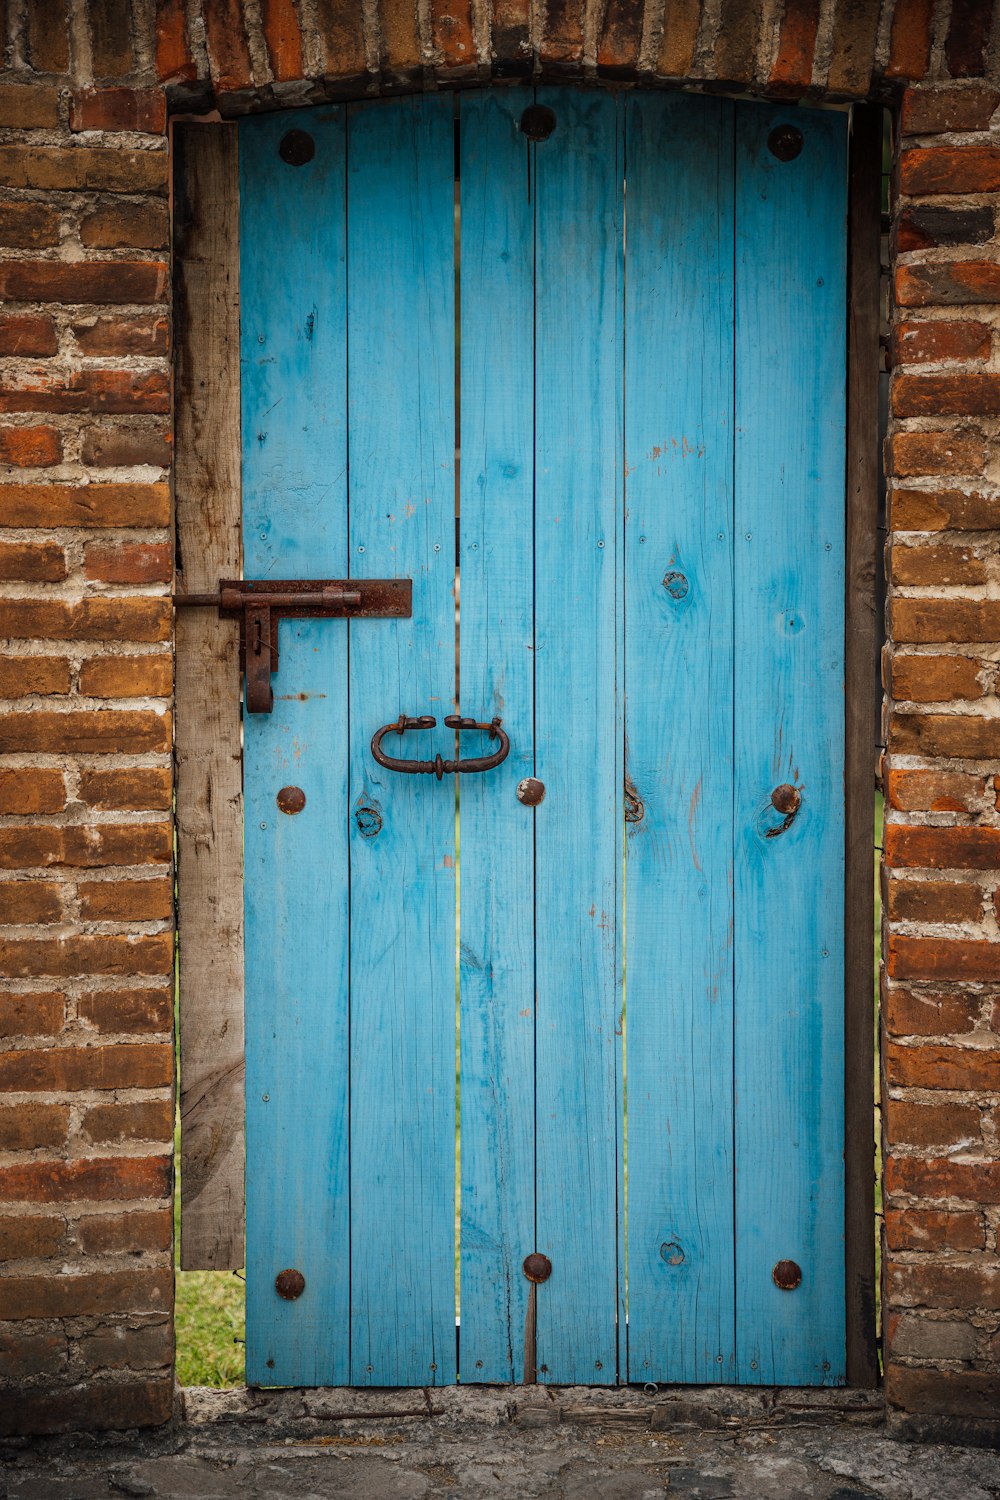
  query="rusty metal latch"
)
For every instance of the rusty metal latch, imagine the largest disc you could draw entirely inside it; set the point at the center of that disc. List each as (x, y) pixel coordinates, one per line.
(261, 603)
(437, 766)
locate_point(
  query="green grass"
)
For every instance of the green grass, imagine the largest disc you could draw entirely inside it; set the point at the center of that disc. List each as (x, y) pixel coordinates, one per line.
(210, 1317)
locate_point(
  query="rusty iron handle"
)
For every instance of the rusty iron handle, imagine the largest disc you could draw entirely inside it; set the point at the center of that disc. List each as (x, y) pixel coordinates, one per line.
(439, 767)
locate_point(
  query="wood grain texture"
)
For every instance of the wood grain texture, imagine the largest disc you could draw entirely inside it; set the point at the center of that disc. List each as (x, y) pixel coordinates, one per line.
(789, 729)
(679, 734)
(578, 182)
(401, 342)
(209, 771)
(297, 929)
(497, 955)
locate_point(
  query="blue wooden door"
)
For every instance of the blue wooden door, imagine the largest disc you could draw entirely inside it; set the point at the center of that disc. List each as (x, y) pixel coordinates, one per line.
(580, 376)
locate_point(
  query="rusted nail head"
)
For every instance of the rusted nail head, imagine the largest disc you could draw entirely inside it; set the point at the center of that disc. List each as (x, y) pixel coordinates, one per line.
(530, 791)
(296, 147)
(538, 122)
(290, 1284)
(785, 142)
(291, 799)
(786, 798)
(537, 1267)
(787, 1275)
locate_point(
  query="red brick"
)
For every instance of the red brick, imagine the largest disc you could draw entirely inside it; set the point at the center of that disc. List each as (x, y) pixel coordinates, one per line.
(86, 732)
(134, 900)
(941, 1177)
(681, 25)
(932, 1124)
(451, 31)
(47, 36)
(933, 111)
(913, 453)
(561, 41)
(32, 562)
(126, 392)
(174, 63)
(942, 848)
(106, 619)
(31, 106)
(28, 225)
(948, 283)
(122, 1065)
(932, 395)
(111, 38)
(341, 32)
(949, 169)
(134, 790)
(34, 1354)
(854, 36)
(933, 791)
(737, 39)
(920, 343)
(135, 1011)
(933, 901)
(68, 1296)
(284, 39)
(115, 1347)
(30, 447)
(911, 1013)
(921, 226)
(924, 621)
(108, 447)
(152, 1120)
(944, 1393)
(32, 846)
(401, 36)
(931, 1066)
(930, 564)
(142, 110)
(29, 790)
(109, 336)
(95, 1405)
(29, 1127)
(791, 74)
(84, 169)
(89, 505)
(945, 734)
(910, 39)
(83, 281)
(968, 36)
(32, 1014)
(943, 958)
(23, 675)
(27, 958)
(936, 679)
(621, 36)
(123, 224)
(228, 48)
(30, 901)
(127, 677)
(27, 1237)
(929, 1229)
(129, 562)
(24, 334)
(943, 510)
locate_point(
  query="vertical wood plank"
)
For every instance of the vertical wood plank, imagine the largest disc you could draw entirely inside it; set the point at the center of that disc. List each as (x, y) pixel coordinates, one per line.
(401, 339)
(207, 748)
(861, 731)
(295, 526)
(789, 671)
(497, 846)
(679, 733)
(578, 177)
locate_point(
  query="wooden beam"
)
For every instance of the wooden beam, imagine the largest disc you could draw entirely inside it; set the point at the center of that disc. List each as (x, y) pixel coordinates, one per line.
(208, 747)
(861, 731)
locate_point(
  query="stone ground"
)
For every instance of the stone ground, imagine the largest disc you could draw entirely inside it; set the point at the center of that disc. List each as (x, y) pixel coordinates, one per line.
(450, 1445)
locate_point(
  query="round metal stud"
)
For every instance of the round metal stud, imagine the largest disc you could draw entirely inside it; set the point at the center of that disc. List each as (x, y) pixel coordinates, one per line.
(785, 142)
(538, 122)
(537, 1267)
(787, 1275)
(296, 147)
(291, 799)
(530, 791)
(786, 798)
(290, 1284)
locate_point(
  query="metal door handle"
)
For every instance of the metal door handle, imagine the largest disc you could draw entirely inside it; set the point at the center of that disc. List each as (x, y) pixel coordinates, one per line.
(440, 767)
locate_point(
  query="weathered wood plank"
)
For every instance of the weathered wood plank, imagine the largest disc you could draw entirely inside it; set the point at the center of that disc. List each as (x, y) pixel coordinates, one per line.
(497, 976)
(789, 732)
(209, 777)
(295, 448)
(679, 737)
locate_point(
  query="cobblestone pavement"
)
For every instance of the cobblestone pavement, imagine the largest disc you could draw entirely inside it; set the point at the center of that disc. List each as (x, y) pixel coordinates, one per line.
(454, 1445)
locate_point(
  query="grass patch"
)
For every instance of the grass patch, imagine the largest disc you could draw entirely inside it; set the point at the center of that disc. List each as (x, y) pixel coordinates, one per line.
(210, 1314)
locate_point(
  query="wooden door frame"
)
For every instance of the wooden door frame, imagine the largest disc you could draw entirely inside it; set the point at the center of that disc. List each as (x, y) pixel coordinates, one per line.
(208, 750)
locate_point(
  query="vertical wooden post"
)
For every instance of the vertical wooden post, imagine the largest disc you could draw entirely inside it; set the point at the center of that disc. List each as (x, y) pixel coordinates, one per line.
(861, 735)
(208, 748)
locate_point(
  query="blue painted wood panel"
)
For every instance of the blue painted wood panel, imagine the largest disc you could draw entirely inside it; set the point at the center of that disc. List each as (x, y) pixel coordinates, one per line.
(679, 737)
(496, 872)
(295, 526)
(401, 402)
(577, 185)
(789, 669)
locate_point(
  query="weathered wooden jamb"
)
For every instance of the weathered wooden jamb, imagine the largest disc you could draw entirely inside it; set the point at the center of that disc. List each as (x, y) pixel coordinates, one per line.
(864, 224)
(208, 744)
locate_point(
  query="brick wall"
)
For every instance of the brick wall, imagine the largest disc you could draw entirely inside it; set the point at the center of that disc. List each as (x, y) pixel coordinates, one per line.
(85, 671)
